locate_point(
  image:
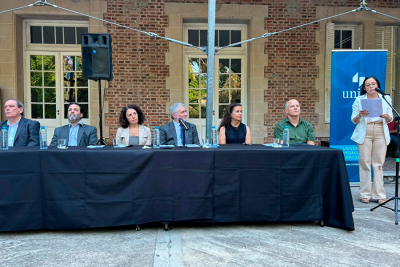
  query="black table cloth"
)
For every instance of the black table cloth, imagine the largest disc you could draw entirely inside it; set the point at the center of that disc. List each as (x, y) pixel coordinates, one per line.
(82, 187)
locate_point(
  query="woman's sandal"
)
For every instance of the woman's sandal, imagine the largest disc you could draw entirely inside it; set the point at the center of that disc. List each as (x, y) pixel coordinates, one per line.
(380, 201)
(365, 200)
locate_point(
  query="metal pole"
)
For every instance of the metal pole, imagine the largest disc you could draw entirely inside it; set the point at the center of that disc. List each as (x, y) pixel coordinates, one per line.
(101, 139)
(210, 67)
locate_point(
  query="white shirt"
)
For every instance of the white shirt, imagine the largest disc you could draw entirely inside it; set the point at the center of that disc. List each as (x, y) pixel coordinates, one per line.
(361, 129)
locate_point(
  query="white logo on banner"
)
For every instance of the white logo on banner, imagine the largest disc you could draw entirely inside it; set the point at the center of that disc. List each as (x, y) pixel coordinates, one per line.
(354, 94)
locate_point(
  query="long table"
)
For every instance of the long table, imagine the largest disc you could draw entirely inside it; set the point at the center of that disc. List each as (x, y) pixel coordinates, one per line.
(82, 187)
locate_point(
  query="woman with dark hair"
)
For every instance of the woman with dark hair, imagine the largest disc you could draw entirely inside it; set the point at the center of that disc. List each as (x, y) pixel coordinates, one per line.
(372, 137)
(132, 132)
(232, 130)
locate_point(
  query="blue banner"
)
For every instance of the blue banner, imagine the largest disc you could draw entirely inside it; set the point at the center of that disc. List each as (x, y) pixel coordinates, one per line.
(349, 69)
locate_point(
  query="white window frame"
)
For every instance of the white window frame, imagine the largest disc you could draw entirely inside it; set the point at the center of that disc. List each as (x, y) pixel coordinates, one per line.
(357, 43)
(53, 23)
(203, 26)
(239, 52)
(346, 28)
(58, 49)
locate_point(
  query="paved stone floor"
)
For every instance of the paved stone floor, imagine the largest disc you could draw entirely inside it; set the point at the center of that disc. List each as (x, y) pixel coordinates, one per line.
(389, 168)
(375, 242)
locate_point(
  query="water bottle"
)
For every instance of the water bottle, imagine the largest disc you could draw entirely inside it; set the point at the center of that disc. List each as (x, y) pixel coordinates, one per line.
(43, 137)
(156, 142)
(286, 137)
(4, 138)
(214, 136)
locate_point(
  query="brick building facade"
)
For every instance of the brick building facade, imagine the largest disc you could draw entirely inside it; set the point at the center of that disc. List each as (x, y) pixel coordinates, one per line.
(154, 73)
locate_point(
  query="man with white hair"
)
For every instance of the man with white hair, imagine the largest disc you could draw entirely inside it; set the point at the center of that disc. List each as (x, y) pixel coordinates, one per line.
(171, 133)
(300, 131)
(21, 131)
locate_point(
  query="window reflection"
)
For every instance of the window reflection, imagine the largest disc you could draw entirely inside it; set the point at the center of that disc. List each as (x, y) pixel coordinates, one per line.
(36, 62)
(193, 111)
(50, 95)
(229, 82)
(49, 63)
(50, 111)
(37, 111)
(57, 35)
(36, 95)
(49, 79)
(69, 95)
(222, 37)
(36, 79)
(48, 35)
(75, 87)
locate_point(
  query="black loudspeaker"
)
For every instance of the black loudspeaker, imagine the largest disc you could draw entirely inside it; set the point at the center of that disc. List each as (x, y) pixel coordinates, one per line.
(97, 56)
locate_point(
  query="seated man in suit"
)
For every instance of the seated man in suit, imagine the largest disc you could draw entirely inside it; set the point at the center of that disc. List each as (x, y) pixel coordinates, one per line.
(300, 131)
(171, 133)
(76, 133)
(21, 131)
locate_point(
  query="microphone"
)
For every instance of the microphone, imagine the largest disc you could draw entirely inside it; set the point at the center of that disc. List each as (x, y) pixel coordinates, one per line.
(380, 91)
(182, 122)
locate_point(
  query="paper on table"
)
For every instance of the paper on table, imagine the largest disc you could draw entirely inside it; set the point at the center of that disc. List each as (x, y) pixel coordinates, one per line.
(267, 144)
(373, 106)
(192, 145)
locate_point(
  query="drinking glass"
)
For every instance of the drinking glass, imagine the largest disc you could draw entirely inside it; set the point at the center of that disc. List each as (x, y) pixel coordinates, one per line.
(116, 142)
(276, 142)
(62, 143)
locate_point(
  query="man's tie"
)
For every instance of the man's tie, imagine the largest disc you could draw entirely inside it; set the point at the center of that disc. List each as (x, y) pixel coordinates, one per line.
(182, 133)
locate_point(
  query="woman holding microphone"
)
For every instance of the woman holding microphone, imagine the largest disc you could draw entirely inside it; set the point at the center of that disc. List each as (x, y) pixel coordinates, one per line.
(372, 137)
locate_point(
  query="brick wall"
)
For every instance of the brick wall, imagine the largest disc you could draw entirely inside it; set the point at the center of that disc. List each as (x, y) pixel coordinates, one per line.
(291, 71)
(139, 61)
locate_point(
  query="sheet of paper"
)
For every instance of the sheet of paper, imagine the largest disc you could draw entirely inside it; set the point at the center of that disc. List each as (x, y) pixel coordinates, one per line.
(192, 145)
(373, 106)
(267, 144)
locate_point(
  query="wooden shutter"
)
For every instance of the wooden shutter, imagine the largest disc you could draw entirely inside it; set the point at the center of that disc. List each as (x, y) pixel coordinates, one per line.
(329, 45)
(385, 39)
(358, 37)
(396, 99)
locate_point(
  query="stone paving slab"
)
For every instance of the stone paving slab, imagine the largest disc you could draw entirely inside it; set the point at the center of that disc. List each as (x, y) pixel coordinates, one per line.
(375, 242)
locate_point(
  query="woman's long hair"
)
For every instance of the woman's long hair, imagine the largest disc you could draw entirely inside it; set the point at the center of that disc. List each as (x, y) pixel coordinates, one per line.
(363, 92)
(123, 121)
(226, 120)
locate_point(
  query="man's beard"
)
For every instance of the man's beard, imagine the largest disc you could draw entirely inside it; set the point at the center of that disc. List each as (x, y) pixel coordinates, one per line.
(72, 118)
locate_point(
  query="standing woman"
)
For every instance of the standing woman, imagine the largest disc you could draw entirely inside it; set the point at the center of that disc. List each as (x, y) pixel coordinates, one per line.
(372, 137)
(232, 130)
(132, 132)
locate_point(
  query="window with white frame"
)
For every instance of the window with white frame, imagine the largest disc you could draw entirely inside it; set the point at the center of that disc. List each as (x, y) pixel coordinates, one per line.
(338, 37)
(53, 70)
(230, 68)
(230, 72)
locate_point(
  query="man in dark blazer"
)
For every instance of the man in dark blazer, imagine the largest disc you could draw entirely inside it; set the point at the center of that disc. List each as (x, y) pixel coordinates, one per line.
(21, 131)
(170, 134)
(76, 133)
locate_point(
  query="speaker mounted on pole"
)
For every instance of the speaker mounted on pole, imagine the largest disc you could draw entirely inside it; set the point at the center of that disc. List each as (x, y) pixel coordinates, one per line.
(97, 56)
(97, 65)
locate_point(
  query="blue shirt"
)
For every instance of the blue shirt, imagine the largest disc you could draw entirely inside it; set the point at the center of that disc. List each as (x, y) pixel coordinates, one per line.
(178, 130)
(12, 130)
(73, 134)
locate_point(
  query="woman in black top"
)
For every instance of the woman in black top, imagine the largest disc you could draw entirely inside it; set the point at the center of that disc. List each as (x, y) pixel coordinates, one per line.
(231, 130)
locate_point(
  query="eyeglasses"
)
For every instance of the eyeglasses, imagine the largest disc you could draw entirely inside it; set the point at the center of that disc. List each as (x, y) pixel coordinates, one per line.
(370, 85)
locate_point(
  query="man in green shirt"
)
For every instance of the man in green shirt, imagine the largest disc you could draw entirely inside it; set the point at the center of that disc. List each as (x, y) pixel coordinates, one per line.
(300, 131)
